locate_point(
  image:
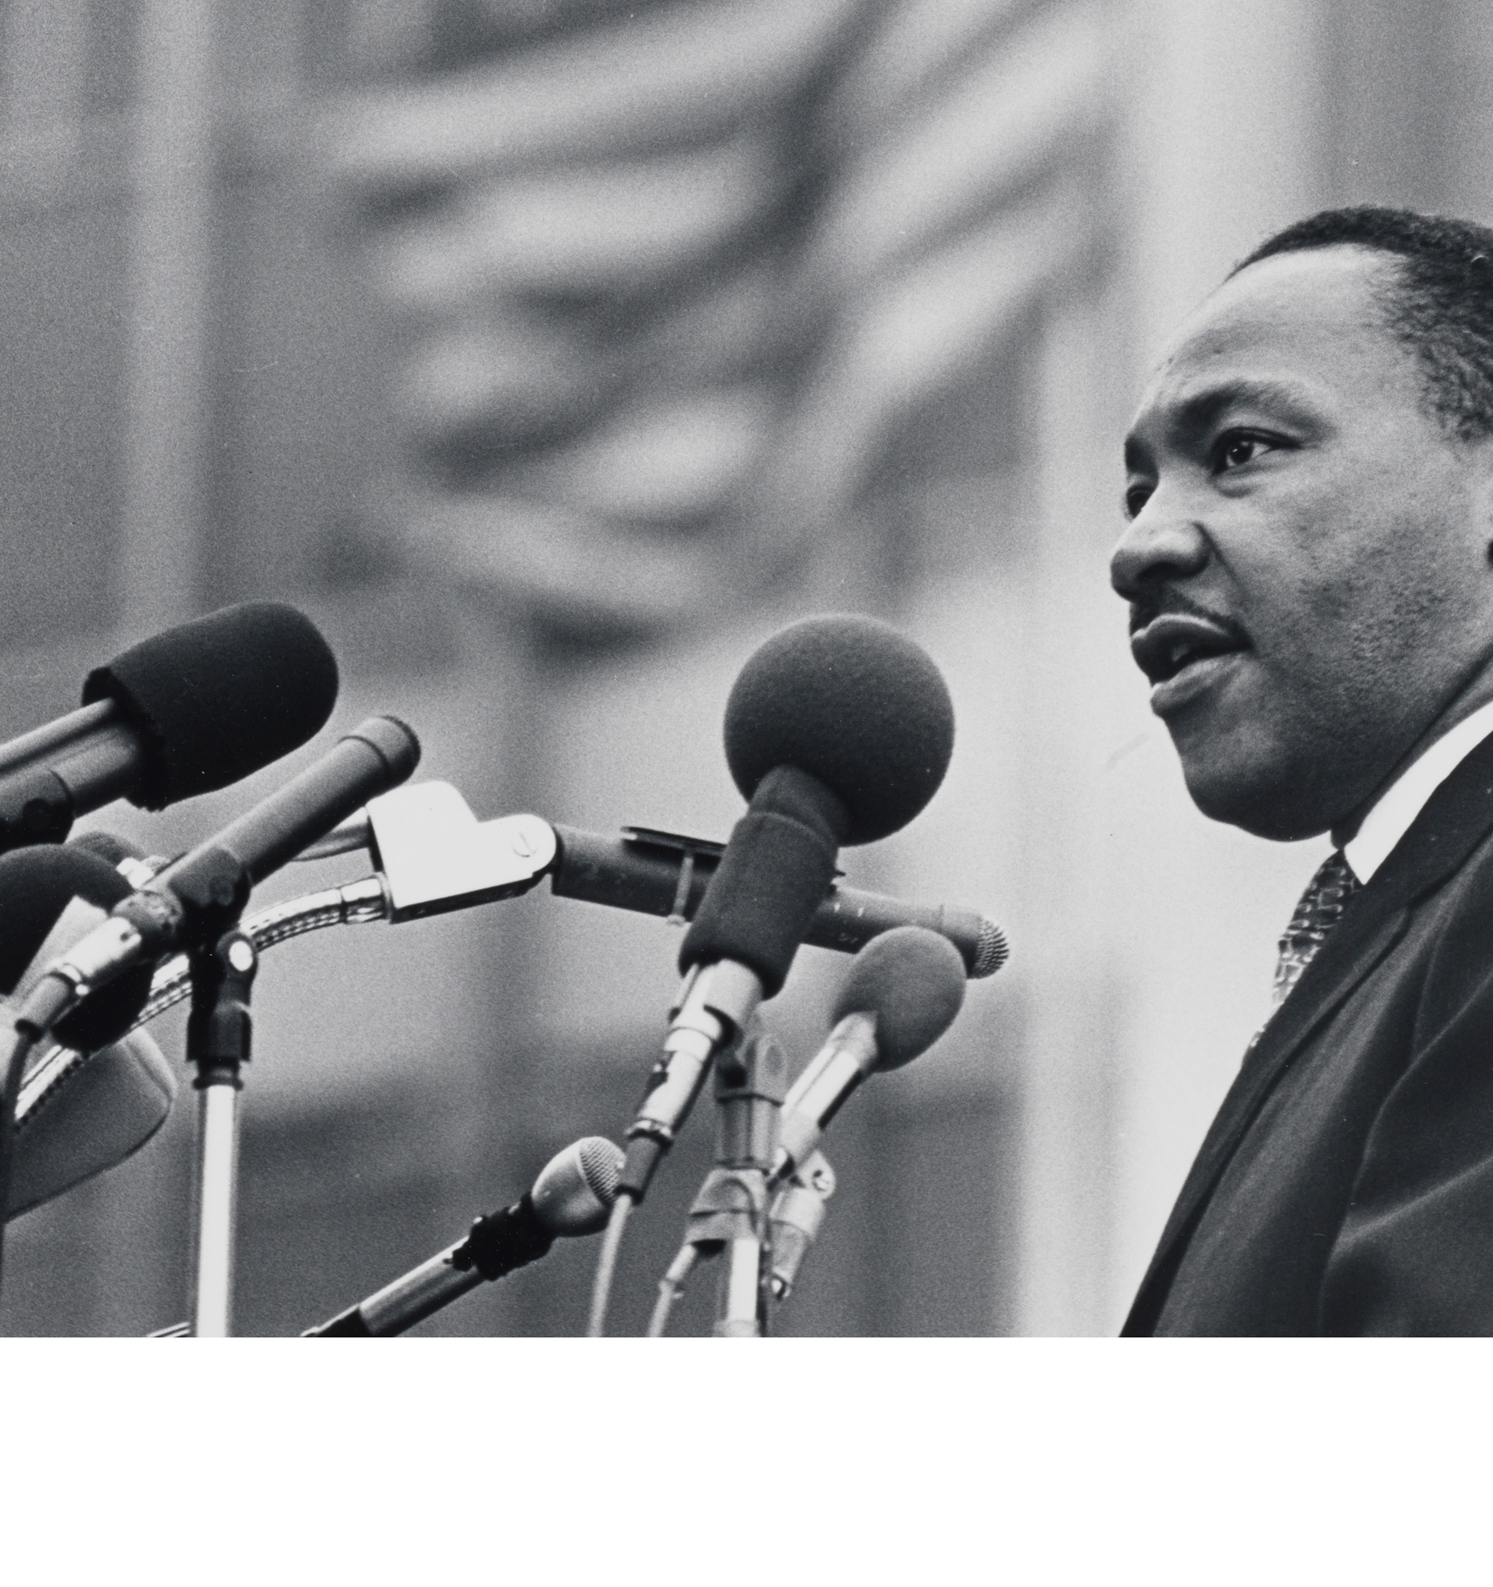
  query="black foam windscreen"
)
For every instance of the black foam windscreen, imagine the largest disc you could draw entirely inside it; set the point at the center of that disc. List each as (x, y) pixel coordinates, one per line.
(854, 703)
(772, 878)
(913, 981)
(221, 697)
(36, 885)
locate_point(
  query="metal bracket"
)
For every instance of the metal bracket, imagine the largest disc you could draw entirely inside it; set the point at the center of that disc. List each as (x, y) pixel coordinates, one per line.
(437, 856)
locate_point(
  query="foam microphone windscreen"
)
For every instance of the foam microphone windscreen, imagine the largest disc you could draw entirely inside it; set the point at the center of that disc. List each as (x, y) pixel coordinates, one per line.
(219, 698)
(852, 702)
(772, 878)
(36, 885)
(913, 981)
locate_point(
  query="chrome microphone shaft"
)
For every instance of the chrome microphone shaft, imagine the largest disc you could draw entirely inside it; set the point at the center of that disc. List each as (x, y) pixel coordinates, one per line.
(410, 1299)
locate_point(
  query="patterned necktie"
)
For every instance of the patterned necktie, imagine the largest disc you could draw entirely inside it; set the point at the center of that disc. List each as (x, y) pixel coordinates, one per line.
(1320, 909)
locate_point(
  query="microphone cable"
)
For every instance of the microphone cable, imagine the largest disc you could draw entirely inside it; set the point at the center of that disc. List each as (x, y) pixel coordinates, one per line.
(606, 1265)
(671, 1287)
(17, 1050)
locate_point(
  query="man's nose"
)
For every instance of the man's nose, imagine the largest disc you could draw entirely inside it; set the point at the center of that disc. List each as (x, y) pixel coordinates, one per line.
(1159, 545)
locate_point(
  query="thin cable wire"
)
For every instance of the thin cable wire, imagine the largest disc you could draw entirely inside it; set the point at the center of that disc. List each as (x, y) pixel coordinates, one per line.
(20, 1045)
(671, 1287)
(606, 1266)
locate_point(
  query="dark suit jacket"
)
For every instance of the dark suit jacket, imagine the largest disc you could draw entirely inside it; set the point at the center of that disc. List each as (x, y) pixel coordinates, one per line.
(1346, 1186)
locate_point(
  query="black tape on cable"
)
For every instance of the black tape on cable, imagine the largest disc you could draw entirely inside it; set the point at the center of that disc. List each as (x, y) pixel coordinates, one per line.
(505, 1240)
(775, 873)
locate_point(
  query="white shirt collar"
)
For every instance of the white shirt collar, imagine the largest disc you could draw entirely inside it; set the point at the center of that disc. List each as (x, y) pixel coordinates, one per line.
(1406, 797)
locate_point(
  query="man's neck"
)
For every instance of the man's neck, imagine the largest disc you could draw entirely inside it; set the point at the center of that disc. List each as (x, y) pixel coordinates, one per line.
(1392, 814)
(1471, 698)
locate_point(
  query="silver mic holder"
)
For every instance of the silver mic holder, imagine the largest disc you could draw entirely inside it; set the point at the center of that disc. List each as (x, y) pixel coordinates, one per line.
(729, 1217)
(795, 1217)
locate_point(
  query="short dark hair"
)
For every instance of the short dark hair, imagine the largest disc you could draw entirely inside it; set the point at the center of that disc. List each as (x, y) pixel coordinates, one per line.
(1441, 306)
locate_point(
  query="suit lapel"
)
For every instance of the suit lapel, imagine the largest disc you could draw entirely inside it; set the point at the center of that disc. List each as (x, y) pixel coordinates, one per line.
(1456, 818)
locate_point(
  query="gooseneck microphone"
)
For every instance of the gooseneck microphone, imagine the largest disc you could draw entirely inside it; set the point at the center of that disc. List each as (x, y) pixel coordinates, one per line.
(903, 992)
(571, 1196)
(838, 731)
(184, 713)
(199, 896)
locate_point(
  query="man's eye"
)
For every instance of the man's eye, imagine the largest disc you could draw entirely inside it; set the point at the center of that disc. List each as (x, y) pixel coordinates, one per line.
(1136, 497)
(1234, 451)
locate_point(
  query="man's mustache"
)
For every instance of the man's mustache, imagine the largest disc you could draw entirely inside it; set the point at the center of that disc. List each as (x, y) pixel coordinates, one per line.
(1172, 603)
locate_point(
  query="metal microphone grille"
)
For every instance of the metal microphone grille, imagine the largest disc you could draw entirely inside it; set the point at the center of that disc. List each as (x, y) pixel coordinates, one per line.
(991, 952)
(601, 1167)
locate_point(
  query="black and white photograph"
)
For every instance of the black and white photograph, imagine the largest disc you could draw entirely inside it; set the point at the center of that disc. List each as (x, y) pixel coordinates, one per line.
(817, 671)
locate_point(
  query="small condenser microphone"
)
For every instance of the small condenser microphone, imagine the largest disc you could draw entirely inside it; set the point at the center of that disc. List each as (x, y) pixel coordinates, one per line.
(572, 1196)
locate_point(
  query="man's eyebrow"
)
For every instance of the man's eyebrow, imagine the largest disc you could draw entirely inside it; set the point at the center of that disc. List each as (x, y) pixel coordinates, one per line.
(1137, 455)
(1198, 411)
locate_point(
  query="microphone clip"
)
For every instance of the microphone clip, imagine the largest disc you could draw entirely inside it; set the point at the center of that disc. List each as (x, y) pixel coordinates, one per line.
(730, 1215)
(750, 1084)
(714, 1007)
(436, 856)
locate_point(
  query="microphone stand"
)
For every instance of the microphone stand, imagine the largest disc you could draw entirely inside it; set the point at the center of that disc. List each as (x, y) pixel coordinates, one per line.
(729, 1215)
(219, 1031)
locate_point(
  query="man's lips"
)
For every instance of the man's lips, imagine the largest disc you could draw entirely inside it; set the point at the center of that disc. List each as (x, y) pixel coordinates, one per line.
(1171, 643)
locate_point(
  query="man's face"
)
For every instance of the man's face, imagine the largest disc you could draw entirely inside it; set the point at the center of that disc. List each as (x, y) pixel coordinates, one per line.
(1307, 554)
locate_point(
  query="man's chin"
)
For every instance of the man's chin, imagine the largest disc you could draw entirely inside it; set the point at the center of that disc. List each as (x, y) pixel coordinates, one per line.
(1265, 801)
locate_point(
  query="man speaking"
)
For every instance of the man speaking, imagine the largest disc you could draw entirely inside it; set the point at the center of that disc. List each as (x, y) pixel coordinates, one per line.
(1309, 566)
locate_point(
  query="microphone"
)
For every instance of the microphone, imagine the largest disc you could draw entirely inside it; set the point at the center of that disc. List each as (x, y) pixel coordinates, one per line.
(49, 897)
(436, 856)
(663, 873)
(184, 713)
(572, 1196)
(199, 896)
(903, 992)
(838, 730)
